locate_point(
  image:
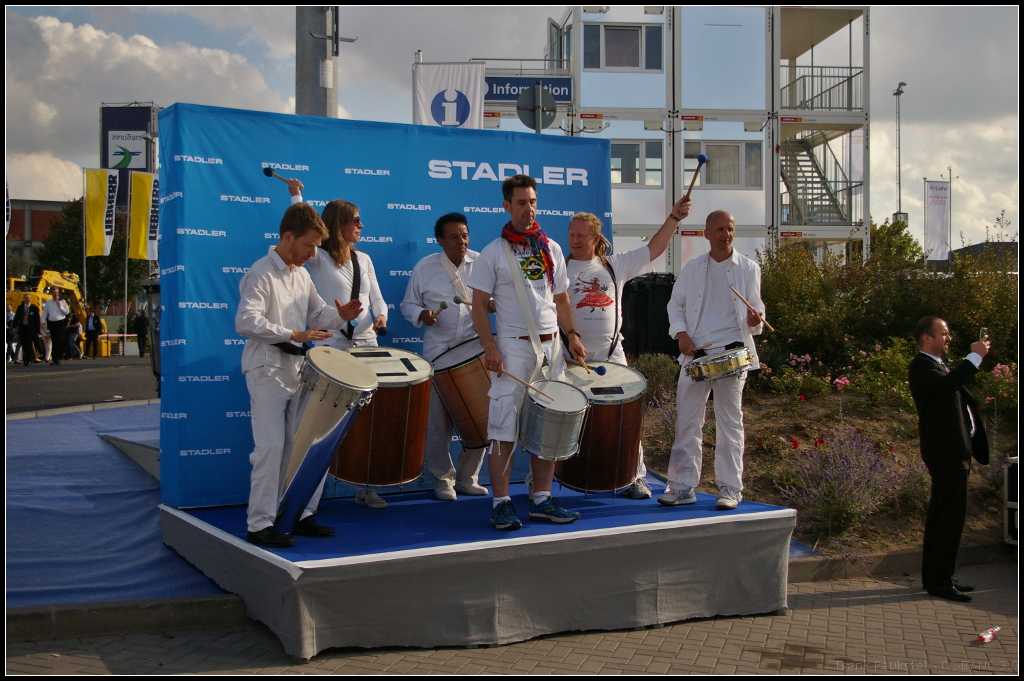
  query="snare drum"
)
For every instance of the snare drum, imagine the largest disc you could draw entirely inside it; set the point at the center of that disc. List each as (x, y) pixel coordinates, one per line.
(334, 386)
(550, 429)
(385, 445)
(711, 367)
(610, 447)
(462, 381)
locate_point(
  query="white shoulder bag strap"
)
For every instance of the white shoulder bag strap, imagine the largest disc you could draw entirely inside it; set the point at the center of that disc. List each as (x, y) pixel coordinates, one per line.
(449, 269)
(531, 324)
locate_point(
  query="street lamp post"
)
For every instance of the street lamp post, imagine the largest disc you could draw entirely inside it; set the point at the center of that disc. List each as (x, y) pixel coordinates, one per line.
(899, 215)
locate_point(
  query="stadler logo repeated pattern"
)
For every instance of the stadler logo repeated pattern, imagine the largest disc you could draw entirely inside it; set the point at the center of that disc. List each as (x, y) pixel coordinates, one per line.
(220, 213)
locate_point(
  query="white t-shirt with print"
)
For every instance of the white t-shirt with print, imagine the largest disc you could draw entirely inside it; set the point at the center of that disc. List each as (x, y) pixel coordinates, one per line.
(492, 276)
(595, 300)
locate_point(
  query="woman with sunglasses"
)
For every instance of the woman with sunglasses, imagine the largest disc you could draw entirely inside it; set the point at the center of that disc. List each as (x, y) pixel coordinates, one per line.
(335, 267)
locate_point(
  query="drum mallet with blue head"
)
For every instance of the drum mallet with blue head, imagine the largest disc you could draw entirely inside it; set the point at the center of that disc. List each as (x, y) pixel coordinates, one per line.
(270, 173)
(599, 370)
(701, 160)
(459, 300)
(751, 308)
(531, 387)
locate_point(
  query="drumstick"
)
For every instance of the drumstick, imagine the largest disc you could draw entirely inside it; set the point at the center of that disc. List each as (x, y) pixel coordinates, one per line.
(442, 306)
(270, 173)
(516, 378)
(706, 345)
(599, 370)
(701, 160)
(751, 308)
(459, 300)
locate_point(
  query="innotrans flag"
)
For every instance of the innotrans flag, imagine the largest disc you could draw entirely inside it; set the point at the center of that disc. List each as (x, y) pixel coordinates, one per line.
(219, 213)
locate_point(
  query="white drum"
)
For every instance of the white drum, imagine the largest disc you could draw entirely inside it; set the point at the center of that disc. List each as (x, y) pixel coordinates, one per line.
(550, 428)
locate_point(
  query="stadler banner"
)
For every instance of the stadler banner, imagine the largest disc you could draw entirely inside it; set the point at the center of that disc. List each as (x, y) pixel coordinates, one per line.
(936, 220)
(448, 95)
(219, 213)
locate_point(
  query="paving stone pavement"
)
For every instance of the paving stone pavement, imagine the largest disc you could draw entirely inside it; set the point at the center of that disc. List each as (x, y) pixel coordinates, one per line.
(853, 627)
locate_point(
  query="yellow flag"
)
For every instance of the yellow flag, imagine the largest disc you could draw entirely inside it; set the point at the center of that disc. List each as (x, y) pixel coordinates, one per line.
(142, 216)
(100, 195)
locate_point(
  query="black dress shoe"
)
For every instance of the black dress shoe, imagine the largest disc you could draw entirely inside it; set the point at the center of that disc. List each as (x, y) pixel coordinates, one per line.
(308, 527)
(963, 588)
(270, 536)
(950, 593)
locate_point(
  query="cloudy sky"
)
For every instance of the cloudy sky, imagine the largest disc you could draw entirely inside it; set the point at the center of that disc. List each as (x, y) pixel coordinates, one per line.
(960, 64)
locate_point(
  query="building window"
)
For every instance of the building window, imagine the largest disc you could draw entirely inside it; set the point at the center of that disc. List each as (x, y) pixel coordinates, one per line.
(638, 163)
(622, 48)
(731, 165)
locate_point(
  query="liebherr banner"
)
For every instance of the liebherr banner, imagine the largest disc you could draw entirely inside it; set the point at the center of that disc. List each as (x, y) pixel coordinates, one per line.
(143, 215)
(100, 197)
(936, 220)
(448, 95)
(219, 213)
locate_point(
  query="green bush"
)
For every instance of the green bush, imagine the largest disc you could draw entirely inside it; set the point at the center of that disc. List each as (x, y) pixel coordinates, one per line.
(662, 374)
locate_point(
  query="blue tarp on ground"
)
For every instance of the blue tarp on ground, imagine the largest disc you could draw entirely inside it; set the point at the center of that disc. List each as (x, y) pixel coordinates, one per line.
(82, 519)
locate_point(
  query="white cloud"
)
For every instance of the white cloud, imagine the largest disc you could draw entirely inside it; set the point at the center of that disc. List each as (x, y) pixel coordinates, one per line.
(43, 177)
(58, 74)
(271, 26)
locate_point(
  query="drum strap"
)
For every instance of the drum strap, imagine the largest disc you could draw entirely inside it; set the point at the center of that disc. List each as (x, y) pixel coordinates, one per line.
(289, 349)
(449, 269)
(531, 324)
(618, 304)
(347, 329)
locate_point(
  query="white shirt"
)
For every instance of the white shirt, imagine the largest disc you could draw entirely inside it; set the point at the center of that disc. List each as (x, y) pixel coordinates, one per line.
(277, 299)
(335, 283)
(690, 289)
(597, 302)
(717, 325)
(55, 311)
(428, 286)
(492, 276)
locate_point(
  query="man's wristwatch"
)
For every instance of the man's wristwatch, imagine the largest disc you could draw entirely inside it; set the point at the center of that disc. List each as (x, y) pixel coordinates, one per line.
(573, 331)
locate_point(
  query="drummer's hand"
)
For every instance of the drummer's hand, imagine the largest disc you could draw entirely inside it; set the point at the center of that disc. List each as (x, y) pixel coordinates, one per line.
(310, 335)
(349, 310)
(753, 318)
(295, 187)
(576, 348)
(380, 322)
(427, 317)
(681, 209)
(492, 307)
(685, 344)
(493, 360)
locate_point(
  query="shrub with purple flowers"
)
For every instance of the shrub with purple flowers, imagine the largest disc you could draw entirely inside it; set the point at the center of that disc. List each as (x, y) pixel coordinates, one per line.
(996, 390)
(840, 483)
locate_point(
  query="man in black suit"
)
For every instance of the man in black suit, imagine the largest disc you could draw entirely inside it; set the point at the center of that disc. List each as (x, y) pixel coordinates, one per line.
(951, 433)
(27, 319)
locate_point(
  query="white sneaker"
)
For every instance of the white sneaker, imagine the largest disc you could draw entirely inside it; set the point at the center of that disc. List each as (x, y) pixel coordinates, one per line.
(470, 488)
(367, 497)
(638, 490)
(443, 492)
(728, 498)
(678, 497)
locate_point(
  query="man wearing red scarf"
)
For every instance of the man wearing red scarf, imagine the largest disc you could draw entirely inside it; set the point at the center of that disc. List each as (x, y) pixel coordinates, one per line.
(542, 267)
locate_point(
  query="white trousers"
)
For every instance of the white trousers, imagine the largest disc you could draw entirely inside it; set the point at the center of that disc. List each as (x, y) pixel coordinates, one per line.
(271, 390)
(438, 455)
(506, 394)
(691, 399)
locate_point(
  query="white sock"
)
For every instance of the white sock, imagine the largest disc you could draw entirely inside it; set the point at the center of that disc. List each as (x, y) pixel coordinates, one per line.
(499, 500)
(539, 497)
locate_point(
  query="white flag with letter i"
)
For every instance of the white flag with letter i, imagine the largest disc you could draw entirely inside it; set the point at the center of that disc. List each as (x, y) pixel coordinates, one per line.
(448, 95)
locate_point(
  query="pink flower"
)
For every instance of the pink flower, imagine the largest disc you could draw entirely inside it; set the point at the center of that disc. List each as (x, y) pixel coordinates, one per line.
(989, 400)
(790, 340)
(863, 354)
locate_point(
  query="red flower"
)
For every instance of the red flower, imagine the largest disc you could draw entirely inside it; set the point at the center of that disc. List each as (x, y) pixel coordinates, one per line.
(818, 443)
(892, 449)
(796, 443)
(760, 443)
(802, 397)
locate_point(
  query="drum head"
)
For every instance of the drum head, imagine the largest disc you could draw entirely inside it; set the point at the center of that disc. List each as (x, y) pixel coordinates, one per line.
(619, 383)
(566, 398)
(341, 367)
(459, 354)
(393, 367)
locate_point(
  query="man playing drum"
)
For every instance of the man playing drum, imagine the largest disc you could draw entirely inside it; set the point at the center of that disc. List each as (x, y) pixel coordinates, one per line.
(704, 312)
(542, 268)
(596, 281)
(434, 282)
(277, 302)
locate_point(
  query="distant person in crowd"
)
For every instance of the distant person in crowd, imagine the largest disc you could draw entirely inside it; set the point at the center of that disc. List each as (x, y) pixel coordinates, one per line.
(704, 313)
(434, 281)
(277, 303)
(29, 331)
(12, 335)
(142, 331)
(340, 272)
(596, 283)
(952, 432)
(94, 326)
(74, 330)
(55, 321)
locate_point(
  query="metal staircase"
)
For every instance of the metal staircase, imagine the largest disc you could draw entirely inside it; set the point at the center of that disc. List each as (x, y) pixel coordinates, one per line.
(812, 200)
